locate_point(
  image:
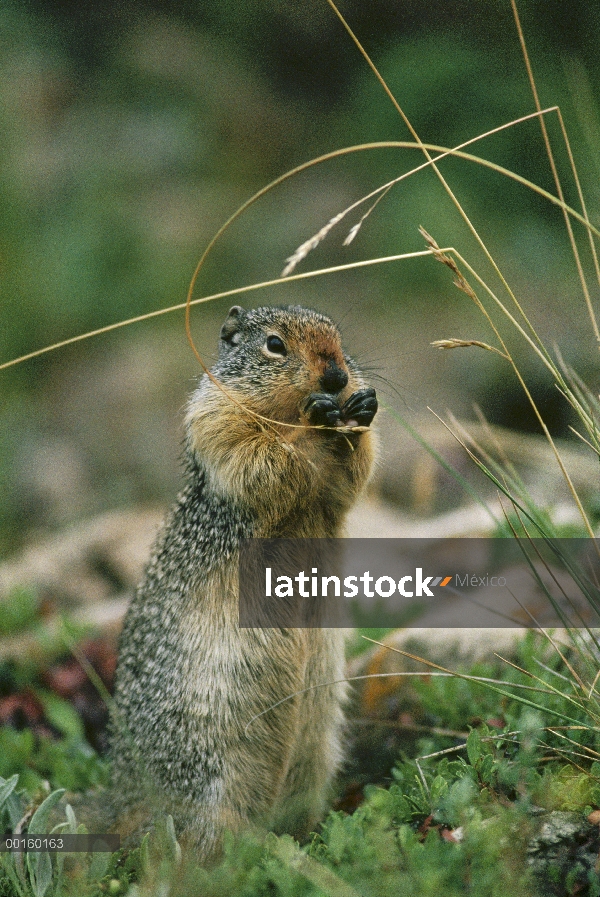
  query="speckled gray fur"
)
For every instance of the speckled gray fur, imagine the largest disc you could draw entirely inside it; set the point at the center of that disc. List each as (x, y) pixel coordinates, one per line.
(189, 680)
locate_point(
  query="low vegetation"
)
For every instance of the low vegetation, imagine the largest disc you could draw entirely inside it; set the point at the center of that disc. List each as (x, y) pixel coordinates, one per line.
(495, 796)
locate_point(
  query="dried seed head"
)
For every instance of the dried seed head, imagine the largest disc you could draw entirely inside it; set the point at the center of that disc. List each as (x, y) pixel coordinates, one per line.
(438, 254)
(302, 251)
(456, 343)
(352, 233)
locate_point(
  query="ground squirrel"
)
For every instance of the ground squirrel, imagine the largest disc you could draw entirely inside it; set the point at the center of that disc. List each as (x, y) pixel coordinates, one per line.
(189, 678)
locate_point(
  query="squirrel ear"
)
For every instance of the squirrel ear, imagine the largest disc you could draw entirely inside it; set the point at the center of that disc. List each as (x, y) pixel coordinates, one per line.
(232, 324)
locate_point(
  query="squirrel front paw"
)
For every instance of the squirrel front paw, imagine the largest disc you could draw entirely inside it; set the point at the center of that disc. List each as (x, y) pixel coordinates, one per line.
(323, 410)
(360, 409)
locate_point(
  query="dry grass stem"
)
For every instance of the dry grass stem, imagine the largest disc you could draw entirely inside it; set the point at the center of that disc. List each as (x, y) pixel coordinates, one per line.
(354, 230)
(539, 348)
(487, 682)
(444, 151)
(493, 437)
(482, 454)
(237, 291)
(382, 191)
(455, 343)
(290, 697)
(302, 251)
(438, 173)
(556, 177)
(583, 439)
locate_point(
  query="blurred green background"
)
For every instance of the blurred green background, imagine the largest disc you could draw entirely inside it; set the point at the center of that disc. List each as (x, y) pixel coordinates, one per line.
(129, 132)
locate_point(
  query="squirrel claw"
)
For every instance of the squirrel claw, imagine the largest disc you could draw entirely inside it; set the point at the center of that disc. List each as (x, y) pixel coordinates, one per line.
(361, 407)
(322, 410)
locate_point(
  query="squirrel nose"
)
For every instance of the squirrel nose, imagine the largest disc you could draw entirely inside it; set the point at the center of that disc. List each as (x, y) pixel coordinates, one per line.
(334, 378)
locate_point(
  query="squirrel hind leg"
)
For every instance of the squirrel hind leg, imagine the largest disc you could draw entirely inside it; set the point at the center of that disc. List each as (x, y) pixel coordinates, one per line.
(304, 802)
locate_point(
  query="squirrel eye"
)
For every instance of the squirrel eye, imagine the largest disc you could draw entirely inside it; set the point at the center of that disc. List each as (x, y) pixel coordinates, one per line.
(276, 345)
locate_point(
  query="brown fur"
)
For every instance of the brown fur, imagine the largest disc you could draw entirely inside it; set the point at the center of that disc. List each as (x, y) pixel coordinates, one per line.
(190, 680)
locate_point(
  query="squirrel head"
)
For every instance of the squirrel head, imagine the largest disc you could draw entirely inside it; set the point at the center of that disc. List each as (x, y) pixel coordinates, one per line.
(277, 356)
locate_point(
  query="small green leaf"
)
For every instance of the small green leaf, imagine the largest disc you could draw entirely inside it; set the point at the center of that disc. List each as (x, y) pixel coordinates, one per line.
(98, 866)
(40, 871)
(173, 847)
(145, 858)
(62, 715)
(439, 788)
(70, 813)
(488, 769)
(39, 820)
(7, 786)
(474, 747)
(10, 802)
